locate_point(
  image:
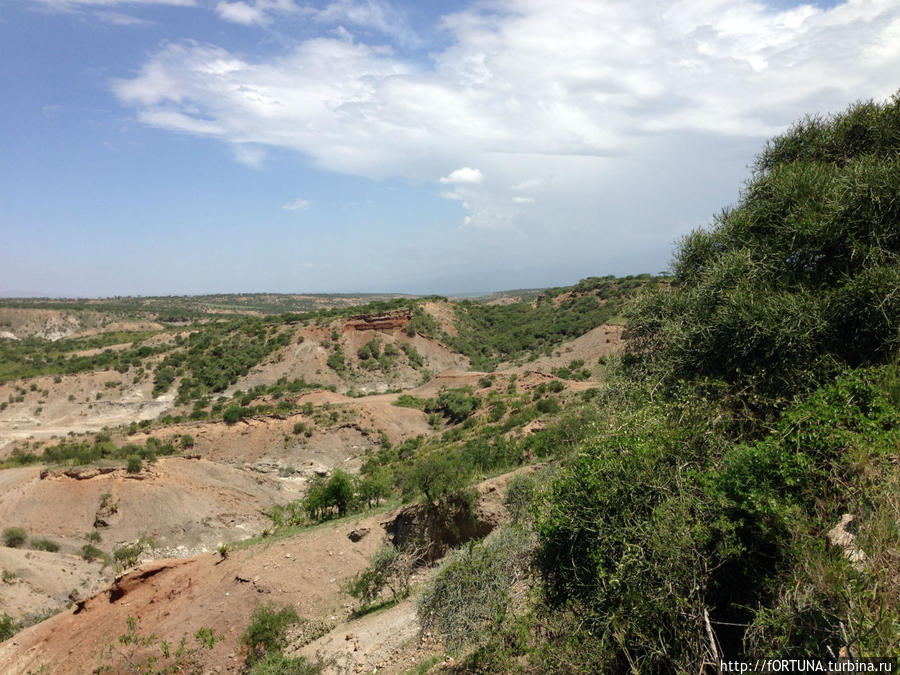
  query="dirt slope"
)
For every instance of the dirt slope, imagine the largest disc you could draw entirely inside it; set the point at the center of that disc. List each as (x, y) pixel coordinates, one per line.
(53, 324)
(176, 596)
(185, 505)
(77, 403)
(46, 582)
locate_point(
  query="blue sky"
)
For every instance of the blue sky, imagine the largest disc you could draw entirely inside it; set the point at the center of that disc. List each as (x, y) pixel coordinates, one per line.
(191, 146)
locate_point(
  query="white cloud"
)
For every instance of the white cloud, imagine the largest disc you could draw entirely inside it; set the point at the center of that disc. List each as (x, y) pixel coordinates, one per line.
(369, 14)
(523, 200)
(296, 205)
(561, 101)
(74, 5)
(259, 12)
(249, 155)
(120, 19)
(241, 12)
(463, 175)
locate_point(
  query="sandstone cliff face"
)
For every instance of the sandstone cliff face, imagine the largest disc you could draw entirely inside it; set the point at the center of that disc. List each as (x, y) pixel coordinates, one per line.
(398, 318)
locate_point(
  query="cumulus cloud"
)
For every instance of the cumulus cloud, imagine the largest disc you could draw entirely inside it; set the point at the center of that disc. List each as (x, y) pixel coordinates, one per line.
(463, 175)
(529, 90)
(296, 205)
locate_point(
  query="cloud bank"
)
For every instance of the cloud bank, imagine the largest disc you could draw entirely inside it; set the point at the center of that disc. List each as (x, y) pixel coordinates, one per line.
(545, 98)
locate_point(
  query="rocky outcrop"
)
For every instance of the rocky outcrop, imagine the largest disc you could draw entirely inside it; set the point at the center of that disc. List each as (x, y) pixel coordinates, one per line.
(434, 529)
(843, 537)
(398, 318)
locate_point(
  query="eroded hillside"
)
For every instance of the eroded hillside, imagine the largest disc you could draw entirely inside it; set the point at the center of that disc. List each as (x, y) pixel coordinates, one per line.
(175, 443)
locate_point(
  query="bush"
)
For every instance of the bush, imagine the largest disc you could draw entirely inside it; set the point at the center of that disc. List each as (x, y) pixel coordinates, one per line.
(457, 404)
(134, 464)
(8, 627)
(389, 568)
(267, 632)
(14, 537)
(438, 477)
(799, 276)
(235, 414)
(471, 593)
(521, 491)
(374, 487)
(276, 663)
(90, 552)
(44, 545)
(548, 406)
(336, 493)
(187, 442)
(335, 361)
(127, 555)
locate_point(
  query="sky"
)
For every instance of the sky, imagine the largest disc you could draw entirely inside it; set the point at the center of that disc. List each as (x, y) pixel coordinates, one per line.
(168, 147)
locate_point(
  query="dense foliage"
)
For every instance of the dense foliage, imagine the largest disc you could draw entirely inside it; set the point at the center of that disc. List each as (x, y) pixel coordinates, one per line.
(758, 408)
(801, 276)
(489, 334)
(217, 356)
(35, 356)
(685, 520)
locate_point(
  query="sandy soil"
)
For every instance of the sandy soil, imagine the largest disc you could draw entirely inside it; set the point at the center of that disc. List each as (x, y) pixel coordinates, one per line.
(185, 505)
(47, 582)
(72, 405)
(176, 596)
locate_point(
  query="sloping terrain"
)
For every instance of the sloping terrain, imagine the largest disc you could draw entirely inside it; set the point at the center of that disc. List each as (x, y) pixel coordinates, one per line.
(220, 442)
(172, 597)
(184, 505)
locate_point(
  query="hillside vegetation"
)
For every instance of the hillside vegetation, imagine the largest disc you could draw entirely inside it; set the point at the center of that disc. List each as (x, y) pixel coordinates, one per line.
(758, 405)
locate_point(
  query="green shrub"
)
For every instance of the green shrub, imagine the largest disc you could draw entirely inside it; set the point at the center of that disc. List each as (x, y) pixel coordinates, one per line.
(267, 631)
(389, 568)
(186, 442)
(800, 275)
(436, 477)
(410, 401)
(548, 406)
(134, 464)
(14, 537)
(415, 359)
(374, 487)
(8, 627)
(276, 663)
(335, 361)
(521, 491)
(127, 555)
(457, 404)
(470, 595)
(44, 545)
(235, 414)
(498, 410)
(337, 495)
(90, 552)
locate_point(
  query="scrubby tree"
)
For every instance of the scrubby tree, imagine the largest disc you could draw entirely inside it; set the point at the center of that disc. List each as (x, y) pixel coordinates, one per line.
(801, 276)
